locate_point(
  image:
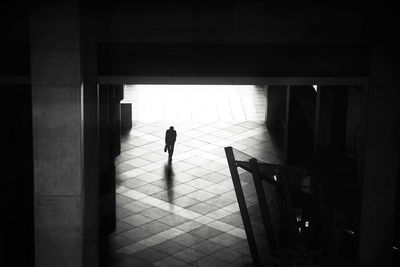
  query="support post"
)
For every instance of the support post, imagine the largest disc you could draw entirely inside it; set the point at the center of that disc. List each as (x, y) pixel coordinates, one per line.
(380, 169)
(262, 202)
(242, 205)
(300, 119)
(276, 107)
(58, 138)
(110, 148)
(330, 122)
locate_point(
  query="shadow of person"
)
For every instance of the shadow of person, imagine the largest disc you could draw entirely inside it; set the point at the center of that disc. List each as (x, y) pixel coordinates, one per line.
(169, 178)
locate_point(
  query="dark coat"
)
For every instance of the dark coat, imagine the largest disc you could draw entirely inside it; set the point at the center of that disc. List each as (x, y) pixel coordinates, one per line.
(170, 137)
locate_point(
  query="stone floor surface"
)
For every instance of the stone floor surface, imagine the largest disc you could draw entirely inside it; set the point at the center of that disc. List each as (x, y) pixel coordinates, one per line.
(185, 213)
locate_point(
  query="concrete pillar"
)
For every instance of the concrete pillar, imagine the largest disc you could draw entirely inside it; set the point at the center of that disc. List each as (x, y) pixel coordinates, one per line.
(380, 158)
(356, 96)
(330, 125)
(90, 134)
(117, 94)
(276, 107)
(57, 135)
(300, 108)
(126, 116)
(110, 147)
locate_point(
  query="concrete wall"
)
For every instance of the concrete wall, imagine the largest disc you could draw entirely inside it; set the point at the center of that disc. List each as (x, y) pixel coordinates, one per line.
(247, 38)
(222, 59)
(233, 38)
(232, 21)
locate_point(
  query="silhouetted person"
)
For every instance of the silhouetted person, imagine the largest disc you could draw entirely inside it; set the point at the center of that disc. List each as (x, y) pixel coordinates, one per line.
(170, 138)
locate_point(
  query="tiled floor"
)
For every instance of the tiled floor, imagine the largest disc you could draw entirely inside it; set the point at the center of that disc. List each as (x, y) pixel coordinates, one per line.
(186, 213)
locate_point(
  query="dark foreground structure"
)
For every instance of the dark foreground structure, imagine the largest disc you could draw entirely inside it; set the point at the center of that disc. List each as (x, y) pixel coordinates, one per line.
(62, 70)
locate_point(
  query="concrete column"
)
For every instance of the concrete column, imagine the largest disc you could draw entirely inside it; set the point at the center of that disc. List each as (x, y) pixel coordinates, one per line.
(110, 147)
(356, 96)
(276, 107)
(57, 111)
(117, 94)
(126, 116)
(381, 157)
(91, 134)
(300, 108)
(331, 114)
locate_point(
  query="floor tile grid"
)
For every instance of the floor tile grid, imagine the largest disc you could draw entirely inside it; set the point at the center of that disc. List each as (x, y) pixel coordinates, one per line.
(152, 211)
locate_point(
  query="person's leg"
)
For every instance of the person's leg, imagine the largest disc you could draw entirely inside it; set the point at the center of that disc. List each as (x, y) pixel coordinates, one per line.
(172, 149)
(169, 148)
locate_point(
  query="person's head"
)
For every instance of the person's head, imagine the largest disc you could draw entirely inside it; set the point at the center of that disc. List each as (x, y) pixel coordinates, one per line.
(171, 128)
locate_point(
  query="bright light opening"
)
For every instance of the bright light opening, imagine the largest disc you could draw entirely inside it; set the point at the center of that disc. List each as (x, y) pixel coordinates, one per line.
(202, 103)
(315, 88)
